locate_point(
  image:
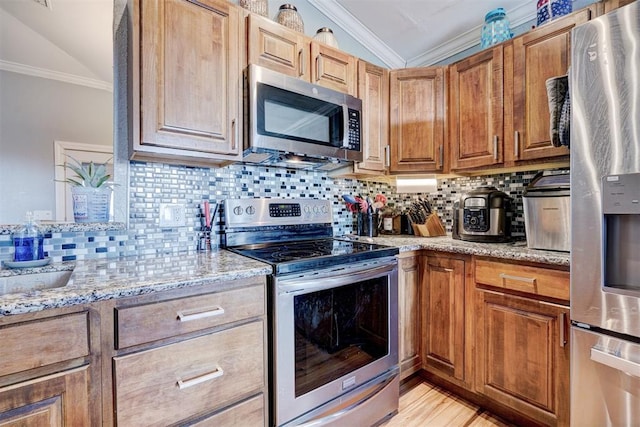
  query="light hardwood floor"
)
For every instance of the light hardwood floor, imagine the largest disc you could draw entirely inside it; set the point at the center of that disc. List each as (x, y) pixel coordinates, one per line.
(425, 405)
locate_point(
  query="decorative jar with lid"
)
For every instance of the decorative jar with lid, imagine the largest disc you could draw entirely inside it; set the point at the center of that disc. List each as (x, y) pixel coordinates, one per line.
(495, 29)
(261, 7)
(289, 17)
(325, 35)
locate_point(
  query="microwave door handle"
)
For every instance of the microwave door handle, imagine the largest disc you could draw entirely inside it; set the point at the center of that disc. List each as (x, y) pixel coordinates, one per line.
(345, 117)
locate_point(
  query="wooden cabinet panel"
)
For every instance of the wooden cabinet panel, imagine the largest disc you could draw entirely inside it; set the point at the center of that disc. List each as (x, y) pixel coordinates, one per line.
(537, 56)
(417, 114)
(523, 356)
(61, 399)
(139, 324)
(189, 78)
(409, 314)
(44, 341)
(278, 48)
(476, 110)
(334, 68)
(168, 384)
(373, 89)
(523, 278)
(247, 413)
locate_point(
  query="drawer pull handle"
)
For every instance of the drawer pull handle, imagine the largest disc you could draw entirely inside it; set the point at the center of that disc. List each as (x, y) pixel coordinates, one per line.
(202, 378)
(188, 315)
(528, 280)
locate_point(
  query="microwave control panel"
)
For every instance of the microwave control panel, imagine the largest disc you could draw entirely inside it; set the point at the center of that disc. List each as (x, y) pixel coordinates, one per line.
(353, 140)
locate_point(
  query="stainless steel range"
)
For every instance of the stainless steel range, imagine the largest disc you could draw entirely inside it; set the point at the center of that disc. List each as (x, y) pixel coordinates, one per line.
(333, 313)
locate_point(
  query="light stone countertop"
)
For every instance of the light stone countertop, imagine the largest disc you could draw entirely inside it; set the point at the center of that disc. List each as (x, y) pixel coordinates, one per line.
(111, 278)
(517, 251)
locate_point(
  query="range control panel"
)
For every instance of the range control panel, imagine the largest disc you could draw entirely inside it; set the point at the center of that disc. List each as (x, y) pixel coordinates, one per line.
(263, 211)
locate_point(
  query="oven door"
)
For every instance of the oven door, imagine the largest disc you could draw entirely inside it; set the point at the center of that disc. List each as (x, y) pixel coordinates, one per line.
(335, 342)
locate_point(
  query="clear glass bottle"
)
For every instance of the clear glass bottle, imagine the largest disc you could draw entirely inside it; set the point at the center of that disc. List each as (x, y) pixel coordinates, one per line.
(289, 17)
(28, 241)
(495, 29)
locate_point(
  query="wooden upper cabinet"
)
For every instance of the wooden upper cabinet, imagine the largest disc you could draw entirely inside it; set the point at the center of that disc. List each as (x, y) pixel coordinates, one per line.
(278, 48)
(189, 83)
(334, 68)
(373, 90)
(476, 110)
(281, 49)
(416, 119)
(537, 56)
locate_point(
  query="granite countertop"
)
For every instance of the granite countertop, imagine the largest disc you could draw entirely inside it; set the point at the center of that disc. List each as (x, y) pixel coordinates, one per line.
(110, 278)
(516, 251)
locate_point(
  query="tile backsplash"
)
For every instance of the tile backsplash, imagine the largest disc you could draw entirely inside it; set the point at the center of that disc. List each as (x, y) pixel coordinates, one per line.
(154, 183)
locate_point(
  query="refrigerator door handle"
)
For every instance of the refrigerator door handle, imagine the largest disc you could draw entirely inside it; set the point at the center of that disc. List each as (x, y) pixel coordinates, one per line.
(615, 362)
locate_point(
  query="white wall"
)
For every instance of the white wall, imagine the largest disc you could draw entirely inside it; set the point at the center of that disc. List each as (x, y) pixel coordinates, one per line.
(33, 113)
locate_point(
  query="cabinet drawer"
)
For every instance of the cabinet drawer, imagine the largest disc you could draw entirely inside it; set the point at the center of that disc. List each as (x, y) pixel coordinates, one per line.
(150, 322)
(175, 382)
(524, 278)
(43, 342)
(247, 413)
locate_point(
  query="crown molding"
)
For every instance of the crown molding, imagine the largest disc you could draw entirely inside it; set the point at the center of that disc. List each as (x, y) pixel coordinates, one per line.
(15, 67)
(337, 13)
(352, 26)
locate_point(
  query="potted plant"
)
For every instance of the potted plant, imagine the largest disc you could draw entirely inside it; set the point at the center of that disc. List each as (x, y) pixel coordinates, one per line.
(90, 190)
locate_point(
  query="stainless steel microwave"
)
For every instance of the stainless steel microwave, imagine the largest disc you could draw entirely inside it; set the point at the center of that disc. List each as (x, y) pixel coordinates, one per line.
(290, 119)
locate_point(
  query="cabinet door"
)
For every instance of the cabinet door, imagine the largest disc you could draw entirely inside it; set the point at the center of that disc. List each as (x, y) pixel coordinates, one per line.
(523, 356)
(334, 68)
(189, 78)
(409, 314)
(476, 112)
(373, 89)
(443, 317)
(417, 105)
(537, 56)
(278, 48)
(60, 399)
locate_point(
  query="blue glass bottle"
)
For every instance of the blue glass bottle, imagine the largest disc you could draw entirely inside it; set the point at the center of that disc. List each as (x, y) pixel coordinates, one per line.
(28, 241)
(495, 29)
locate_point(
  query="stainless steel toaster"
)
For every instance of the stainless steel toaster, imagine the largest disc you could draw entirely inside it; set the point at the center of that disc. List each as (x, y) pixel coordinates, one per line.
(547, 211)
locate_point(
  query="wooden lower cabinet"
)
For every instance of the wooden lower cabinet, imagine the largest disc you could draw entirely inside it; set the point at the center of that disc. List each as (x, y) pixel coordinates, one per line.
(60, 399)
(446, 323)
(409, 313)
(523, 355)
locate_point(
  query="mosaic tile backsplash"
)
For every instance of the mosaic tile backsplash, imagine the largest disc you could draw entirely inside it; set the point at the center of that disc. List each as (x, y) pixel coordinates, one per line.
(154, 183)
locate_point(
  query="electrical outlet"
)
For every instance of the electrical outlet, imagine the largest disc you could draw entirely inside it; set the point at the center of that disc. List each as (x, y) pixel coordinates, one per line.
(172, 215)
(42, 215)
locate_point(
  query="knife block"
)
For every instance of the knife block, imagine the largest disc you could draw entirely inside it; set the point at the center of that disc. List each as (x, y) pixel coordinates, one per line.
(431, 228)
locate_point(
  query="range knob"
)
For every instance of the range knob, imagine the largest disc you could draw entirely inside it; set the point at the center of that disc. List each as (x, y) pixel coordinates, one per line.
(325, 210)
(250, 210)
(307, 209)
(237, 210)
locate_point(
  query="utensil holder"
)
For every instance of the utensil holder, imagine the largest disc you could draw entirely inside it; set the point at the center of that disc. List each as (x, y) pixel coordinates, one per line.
(367, 224)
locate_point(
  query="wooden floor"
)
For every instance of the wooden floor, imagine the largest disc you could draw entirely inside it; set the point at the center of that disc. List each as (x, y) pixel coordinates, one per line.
(425, 405)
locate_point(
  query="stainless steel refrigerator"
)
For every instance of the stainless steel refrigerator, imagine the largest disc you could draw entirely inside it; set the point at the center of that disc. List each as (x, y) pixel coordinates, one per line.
(605, 220)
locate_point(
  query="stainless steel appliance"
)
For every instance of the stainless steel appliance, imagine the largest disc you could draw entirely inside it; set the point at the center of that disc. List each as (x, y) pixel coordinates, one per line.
(605, 220)
(547, 211)
(482, 215)
(293, 123)
(333, 313)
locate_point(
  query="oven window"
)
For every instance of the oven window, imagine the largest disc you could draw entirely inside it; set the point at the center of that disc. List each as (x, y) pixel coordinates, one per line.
(338, 331)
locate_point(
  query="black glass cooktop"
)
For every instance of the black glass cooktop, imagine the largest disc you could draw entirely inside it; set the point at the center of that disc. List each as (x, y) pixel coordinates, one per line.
(289, 257)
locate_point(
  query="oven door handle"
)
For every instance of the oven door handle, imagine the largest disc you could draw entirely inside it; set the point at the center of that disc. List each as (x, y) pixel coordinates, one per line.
(308, 283)
(615, 362)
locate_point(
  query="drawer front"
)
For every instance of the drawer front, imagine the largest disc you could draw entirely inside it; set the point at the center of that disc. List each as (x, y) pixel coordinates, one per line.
(43, 342)
(524, 278)
(248, 413)
(175, 382)
(150, 322)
